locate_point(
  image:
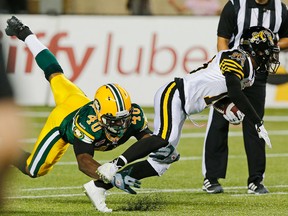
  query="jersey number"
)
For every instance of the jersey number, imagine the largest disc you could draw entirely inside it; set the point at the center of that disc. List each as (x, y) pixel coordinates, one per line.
(96, 126)
(136, 111)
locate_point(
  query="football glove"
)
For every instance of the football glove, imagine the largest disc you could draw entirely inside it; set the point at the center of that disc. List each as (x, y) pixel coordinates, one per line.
(107, 171)
(232, 117)
(124, 182)
(262, 133)
(167, 155)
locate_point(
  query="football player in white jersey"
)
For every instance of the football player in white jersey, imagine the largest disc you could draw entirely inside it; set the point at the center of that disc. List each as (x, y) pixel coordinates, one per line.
(227, 74)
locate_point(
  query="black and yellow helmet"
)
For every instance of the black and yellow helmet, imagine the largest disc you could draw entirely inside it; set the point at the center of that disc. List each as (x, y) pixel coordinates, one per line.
(261, 44)
(113, 109)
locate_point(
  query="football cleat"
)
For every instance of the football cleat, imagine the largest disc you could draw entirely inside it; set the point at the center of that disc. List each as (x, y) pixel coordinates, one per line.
(107, 171)
(212, 186)
(16, 28)
(97, 196)
(257, 188)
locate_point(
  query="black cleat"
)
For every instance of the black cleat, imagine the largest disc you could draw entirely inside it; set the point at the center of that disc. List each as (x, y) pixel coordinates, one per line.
(212, 186)
(257, 188)
(16, 28)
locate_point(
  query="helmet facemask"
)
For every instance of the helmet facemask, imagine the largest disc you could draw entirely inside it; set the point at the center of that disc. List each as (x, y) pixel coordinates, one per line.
(273, 62)
(267, 60)
(116, 126)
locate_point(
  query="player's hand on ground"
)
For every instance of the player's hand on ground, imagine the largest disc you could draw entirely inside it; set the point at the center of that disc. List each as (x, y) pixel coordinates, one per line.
(107, 171)
(124, 182)
(262, 132)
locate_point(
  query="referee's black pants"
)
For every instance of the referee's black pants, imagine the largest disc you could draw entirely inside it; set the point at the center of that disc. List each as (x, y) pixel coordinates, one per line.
(216, 142)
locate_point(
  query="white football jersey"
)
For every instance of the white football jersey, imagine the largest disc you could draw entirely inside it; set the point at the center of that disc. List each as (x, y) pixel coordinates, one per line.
(206, 85)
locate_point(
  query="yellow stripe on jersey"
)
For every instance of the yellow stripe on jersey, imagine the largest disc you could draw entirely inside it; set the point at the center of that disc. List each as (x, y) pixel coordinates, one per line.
(234, 62)
(82, 130)
(229, 65)
(165, 108)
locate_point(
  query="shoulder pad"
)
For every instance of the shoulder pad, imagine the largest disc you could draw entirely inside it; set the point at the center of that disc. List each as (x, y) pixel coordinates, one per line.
(234, 61)
(235, 55)
(81, 135)
(139, 119)
(85, 124)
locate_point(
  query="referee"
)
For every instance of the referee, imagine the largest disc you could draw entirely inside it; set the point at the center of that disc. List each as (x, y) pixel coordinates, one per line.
(236, 17)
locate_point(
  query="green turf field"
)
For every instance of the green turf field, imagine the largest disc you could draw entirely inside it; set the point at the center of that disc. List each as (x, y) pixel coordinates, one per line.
(178, 192)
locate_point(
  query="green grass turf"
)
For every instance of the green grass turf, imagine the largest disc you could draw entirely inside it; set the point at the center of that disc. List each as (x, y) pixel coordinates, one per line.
(177, 192)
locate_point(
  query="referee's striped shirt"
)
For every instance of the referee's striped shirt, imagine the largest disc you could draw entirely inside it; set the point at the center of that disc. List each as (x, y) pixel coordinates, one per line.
(246, 13)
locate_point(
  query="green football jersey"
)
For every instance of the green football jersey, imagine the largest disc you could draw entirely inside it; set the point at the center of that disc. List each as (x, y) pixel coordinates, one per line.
(83, 124)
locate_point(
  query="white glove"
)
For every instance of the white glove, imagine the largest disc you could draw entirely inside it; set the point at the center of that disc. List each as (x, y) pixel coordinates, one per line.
(107, 171)
(262, 133)
(233, 118)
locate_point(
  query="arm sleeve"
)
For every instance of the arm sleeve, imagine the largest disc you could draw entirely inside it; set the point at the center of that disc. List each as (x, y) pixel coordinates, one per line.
(142, 133)
(239, 99)
(143, 147)
(81, 147)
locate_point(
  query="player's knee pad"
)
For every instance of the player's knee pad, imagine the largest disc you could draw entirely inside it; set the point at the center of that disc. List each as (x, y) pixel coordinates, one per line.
(160, 168)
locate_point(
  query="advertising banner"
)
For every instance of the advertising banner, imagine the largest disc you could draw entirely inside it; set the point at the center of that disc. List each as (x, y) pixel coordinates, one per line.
(139, 53)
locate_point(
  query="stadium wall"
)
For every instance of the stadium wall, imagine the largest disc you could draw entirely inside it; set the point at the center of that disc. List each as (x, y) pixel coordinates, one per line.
(139, 53)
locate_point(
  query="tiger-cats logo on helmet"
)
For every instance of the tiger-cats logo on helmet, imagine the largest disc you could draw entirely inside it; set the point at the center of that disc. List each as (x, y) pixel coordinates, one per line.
(261, 36)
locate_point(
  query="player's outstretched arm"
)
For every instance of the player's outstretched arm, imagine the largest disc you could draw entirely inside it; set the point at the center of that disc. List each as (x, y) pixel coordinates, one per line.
(138, 150)
(241, 101)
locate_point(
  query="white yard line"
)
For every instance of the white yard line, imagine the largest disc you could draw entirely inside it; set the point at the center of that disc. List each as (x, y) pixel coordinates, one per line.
(140, 191)
(194, 158)
(235, 134)
(151, 116)
(193, 135)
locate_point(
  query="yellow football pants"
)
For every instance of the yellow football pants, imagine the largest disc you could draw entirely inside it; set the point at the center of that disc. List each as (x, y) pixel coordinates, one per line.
(50, 146)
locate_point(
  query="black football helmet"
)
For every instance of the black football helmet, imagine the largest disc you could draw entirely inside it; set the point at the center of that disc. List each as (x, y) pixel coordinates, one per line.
(261, 44)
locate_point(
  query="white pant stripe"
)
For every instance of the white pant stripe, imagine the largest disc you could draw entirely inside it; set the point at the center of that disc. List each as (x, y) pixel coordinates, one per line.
(41, 152)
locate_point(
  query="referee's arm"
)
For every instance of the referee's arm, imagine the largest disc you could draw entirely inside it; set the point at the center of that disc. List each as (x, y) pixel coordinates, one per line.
(226, 25)
(222, 43)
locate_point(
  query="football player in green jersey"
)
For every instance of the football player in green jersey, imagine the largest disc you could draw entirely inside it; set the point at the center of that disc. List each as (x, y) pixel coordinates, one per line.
(99, 125)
